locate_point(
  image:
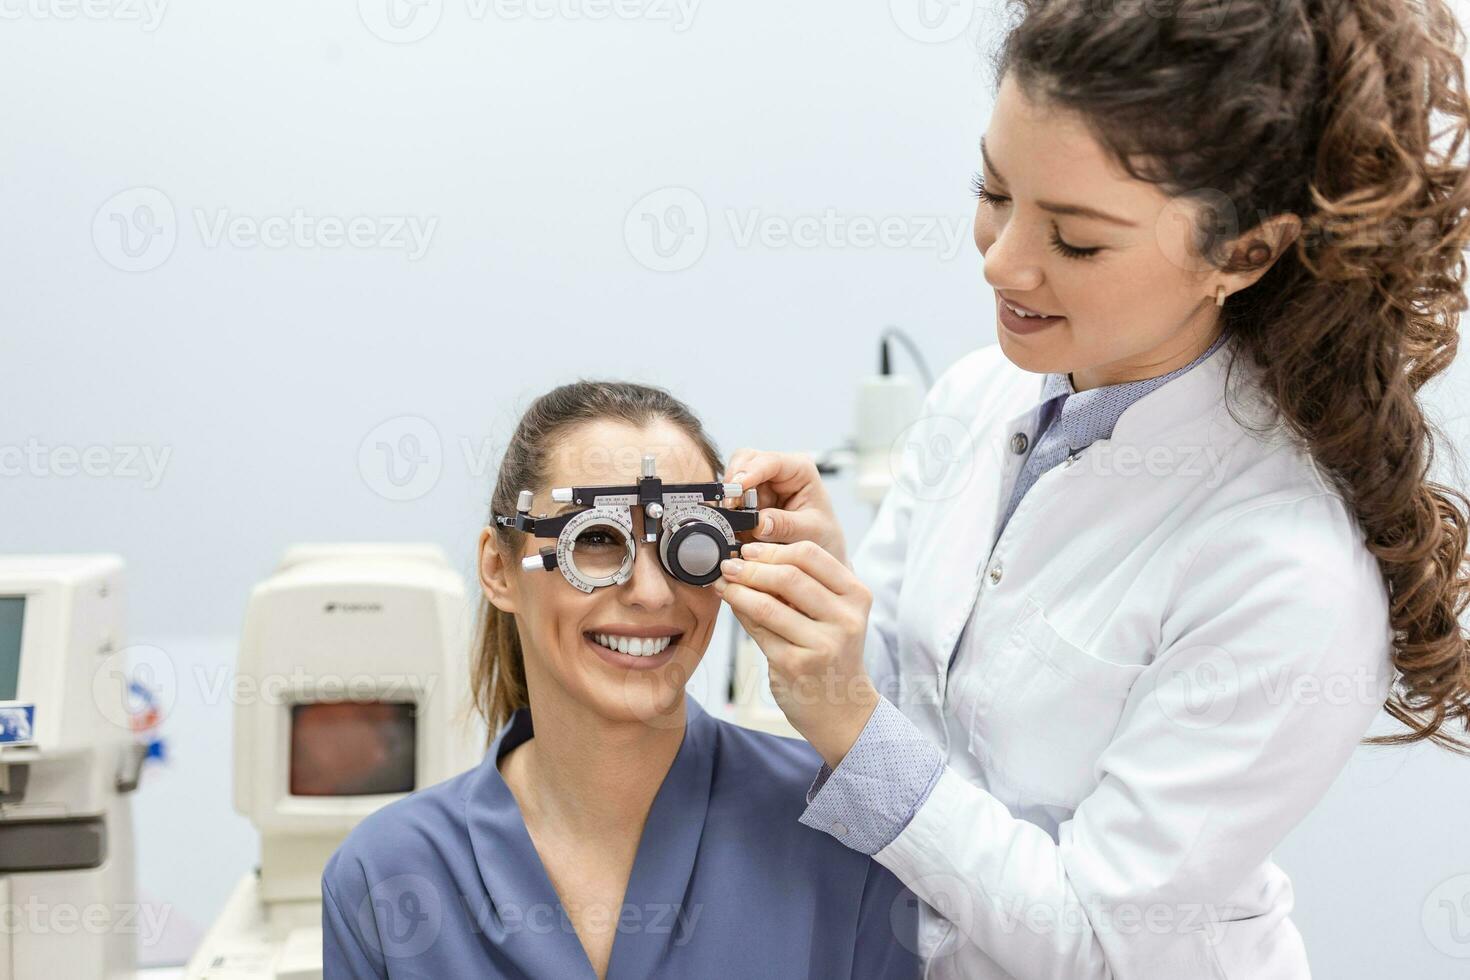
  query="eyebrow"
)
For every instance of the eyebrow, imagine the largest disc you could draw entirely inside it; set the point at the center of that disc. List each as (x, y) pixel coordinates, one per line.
(1078, 210)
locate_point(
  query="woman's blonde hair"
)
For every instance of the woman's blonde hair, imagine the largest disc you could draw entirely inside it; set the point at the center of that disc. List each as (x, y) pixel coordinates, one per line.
(497, 663)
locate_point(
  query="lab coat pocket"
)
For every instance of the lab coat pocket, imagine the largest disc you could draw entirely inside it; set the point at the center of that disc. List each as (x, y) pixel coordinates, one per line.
(1055, 709)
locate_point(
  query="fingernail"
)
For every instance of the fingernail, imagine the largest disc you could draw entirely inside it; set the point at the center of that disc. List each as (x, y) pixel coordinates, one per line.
(752, 550)
(738, 478)
(766, 525)
(732, 567)
(719, 585)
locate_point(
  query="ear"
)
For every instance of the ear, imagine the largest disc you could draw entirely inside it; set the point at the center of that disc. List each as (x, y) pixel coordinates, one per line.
(496, 579)
(1261, 247)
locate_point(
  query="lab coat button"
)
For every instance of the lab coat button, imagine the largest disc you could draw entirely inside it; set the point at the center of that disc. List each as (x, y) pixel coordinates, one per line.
(840, 829)
(1019, 442)
(995, 573)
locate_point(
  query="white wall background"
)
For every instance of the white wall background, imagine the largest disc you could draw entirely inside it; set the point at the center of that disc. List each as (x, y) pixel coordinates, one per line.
(523, 146)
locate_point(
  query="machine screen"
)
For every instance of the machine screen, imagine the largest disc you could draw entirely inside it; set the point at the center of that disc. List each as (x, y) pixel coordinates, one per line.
(12, 618)
(353, 748)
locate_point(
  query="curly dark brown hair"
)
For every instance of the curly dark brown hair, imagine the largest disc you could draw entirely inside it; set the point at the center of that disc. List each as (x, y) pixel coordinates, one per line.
(1324, 109)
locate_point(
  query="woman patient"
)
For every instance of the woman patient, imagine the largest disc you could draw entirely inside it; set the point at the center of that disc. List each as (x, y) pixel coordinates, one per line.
(614, 829)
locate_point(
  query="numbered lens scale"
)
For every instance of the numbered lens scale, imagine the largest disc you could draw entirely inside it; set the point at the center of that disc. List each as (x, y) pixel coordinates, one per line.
(693, 536)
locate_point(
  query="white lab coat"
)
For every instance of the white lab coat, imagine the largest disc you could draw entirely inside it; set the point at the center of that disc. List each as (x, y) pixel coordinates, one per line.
(1176, 644)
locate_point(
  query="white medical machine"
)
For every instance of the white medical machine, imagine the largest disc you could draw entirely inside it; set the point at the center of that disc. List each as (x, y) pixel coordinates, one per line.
(887, 410)
(353, 690)
(888, 405)
(68, 758)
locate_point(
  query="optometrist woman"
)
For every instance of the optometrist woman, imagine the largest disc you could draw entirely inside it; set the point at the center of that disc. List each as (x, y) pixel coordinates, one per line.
(1083, 677)
(614, 828)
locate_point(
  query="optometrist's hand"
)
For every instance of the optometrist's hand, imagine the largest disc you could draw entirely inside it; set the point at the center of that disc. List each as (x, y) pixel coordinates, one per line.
(809, 614)
(793, 500)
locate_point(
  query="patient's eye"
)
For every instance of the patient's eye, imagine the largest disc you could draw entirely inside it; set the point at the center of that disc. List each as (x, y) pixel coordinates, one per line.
(597, 539)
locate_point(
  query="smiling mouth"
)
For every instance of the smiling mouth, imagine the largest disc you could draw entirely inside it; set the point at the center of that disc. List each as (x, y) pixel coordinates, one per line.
(633, 646)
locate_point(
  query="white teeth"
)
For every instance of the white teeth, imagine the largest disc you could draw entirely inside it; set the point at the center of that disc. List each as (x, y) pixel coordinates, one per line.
(634, 646)
(1023, 312)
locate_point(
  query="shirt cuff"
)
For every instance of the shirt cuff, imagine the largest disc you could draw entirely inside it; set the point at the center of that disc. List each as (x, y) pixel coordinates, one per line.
(878, 786)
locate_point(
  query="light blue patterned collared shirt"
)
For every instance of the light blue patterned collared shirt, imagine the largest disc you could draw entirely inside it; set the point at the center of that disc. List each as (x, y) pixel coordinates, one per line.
(1072, 420)
(892, 767)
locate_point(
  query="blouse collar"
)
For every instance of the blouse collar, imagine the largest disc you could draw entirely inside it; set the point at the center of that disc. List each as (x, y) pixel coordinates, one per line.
(516, 880)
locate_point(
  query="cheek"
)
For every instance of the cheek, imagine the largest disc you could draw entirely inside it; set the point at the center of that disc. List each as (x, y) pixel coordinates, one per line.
(703, 608)
(552, 608)
(984, 232)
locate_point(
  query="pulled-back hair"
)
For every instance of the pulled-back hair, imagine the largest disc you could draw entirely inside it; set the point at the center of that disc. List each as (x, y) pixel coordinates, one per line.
(497, 667)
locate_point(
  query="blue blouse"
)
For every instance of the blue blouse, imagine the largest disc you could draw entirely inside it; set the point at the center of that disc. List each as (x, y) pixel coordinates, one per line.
(726, 883)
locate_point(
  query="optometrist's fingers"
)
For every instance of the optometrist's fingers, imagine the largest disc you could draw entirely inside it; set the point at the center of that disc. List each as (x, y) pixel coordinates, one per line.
(780, 479)
(770, 643)
(793, 501)
(761, 609)
(789, 526)
(810, 556)
(793, 585)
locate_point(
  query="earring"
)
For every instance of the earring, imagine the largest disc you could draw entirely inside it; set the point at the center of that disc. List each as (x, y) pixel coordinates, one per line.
(1220, 295)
